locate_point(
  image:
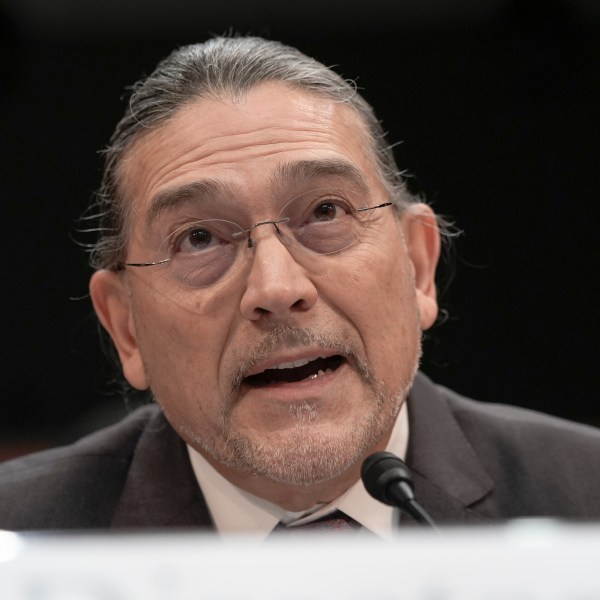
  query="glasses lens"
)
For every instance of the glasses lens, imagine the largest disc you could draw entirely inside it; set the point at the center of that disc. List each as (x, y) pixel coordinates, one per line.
(202, 252)
(326, 221)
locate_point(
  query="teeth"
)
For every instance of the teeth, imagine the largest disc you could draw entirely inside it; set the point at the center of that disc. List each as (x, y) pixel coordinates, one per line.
(319, 373)
(314, 375)
(295, 363)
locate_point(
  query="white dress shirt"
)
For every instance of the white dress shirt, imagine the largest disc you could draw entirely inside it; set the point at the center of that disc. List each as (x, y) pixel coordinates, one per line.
(236, 512)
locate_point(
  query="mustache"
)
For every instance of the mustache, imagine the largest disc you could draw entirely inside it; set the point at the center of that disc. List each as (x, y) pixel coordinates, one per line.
(285, 336)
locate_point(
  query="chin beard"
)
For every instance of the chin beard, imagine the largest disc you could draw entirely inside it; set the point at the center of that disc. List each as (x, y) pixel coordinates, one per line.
(309, 452)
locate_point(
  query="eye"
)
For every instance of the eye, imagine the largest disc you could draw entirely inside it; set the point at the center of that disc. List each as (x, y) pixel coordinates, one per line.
(329, 210)
(193, 239)
(196, 239)
(325, 211)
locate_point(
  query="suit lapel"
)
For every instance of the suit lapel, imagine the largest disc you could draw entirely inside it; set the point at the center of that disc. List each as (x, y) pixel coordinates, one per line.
(448, 476)
(160, 489)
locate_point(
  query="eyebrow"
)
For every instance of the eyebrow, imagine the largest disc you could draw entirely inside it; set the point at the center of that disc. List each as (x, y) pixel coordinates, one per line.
(170, 199)
(285, 174)
(301, 170)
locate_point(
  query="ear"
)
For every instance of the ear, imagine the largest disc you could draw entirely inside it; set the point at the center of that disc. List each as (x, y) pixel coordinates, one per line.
(422, 237)
(112, 303)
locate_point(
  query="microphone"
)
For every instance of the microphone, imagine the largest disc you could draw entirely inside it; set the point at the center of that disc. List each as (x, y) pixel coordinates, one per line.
(388, 479)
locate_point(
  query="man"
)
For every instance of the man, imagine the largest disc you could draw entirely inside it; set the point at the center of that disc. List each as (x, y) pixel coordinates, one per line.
(263, 270)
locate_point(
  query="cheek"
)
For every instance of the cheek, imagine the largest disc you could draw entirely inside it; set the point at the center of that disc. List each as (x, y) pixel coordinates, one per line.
(381, 286)
(378, 297)
(181, 346)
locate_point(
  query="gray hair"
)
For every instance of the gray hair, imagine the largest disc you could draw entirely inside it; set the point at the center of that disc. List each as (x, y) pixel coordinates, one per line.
(221, 66)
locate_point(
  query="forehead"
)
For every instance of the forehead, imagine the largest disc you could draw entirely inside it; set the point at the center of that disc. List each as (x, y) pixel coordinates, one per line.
(242, 144)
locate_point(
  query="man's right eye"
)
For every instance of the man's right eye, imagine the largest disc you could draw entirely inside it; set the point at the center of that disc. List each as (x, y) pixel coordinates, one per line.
(194, 240)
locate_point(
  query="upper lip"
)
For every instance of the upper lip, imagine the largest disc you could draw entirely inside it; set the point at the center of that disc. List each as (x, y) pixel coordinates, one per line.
(290, 359)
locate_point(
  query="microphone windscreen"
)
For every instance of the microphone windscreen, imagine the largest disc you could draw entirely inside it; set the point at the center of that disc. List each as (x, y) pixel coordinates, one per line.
(382, 469)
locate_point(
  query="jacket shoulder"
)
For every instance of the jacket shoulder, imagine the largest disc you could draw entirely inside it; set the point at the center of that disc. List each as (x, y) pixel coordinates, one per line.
(74, 486)
(525, 433)
(539, 464)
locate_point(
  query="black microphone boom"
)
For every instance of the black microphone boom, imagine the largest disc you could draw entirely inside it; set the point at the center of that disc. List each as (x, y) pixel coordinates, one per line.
(389, 480)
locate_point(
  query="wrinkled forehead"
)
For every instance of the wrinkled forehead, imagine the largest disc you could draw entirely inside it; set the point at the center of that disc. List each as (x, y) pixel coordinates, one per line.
(243, 146)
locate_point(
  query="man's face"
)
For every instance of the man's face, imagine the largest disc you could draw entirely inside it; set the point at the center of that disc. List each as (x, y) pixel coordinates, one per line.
(338, 335)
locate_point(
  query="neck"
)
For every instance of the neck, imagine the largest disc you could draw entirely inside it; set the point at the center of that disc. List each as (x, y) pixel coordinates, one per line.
(293, 498)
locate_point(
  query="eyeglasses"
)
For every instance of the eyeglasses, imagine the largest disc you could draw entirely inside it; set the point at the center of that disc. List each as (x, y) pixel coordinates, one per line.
(204, 251)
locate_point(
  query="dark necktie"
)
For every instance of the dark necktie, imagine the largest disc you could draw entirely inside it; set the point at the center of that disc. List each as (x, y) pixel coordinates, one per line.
(336, 522)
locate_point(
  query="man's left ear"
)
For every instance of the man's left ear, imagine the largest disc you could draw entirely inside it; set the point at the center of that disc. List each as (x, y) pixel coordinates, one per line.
(422, 237)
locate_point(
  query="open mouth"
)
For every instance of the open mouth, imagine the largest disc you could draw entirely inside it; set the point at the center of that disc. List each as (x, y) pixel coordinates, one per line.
(298, 371)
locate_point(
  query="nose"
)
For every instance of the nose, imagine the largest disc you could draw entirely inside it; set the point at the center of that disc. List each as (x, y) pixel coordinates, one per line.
(277, 286)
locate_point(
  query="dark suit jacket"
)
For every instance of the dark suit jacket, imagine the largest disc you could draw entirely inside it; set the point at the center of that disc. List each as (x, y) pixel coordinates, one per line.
(472, 463)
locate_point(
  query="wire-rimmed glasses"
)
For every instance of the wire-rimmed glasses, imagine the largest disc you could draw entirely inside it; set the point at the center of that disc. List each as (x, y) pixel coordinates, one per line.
(204, 251)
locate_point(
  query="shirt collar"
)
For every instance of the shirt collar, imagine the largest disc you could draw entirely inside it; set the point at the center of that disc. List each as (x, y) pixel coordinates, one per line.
(236, 512)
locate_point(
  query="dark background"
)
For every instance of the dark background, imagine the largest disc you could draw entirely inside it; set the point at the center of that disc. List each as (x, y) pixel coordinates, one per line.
(496, 103)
